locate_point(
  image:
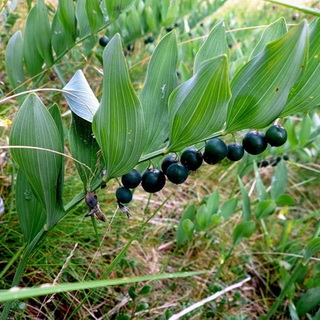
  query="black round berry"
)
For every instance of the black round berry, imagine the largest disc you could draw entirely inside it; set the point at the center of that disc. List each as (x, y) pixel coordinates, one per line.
(168, 161)
(130, 47)
(91, 200)
(235, 151)
(131, 179)
(169, 28)
(215, 150)
(191, 158)
(177, 173)
(255, 142)
(103, 41)
(276, 135)
(286, 157)
(153, 180)
(123, 195)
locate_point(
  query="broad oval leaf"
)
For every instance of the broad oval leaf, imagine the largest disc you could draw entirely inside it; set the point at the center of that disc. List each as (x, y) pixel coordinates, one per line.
(115, 7)
(309, 301)
(243, 229)
(265, 208)
(43, 33)
(80, 97)
(279, 180)
(305, 94)
(272, 32)
(31, 213)
(118, 124)
(260, 88)
(64, 27)
(95, 15)
(215, 45)
(197, 108)
(182, 232)
(82, 18)
(160, 81)
(227, 208)
(35, 128)
(84, 148)
(14, 61)
(32, 56)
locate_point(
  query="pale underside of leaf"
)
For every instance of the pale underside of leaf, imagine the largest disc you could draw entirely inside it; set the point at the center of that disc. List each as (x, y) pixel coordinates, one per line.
(80, 97)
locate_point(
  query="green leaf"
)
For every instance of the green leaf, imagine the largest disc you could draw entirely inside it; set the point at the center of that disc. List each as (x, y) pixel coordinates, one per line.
(14, 62)
(215, 45)
(262, 192)
(312, 248)
(32, 56)
(285, 200)
(182, 235)
(197, 108)
(265, 208)
(203, 217)
(308, 301)
(31, 213)
(43, 33)
(94, 14)
(244, 229)
(184, 72)
(188, 228)
(34, 127)
(213, 202)
(118, 125)
(145, 290)
(161, 79)
(115, 7)
(246, 211)
(305, 131)
(260, 88)
(279, 180)
(299, 7)
(272, 32)
(64, 27)
(8, 295)
(84, 147)
(228, 207)
(82, 18)
(305, 94)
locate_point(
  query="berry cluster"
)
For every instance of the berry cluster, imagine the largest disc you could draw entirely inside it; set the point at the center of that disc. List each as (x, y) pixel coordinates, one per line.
(177, 170)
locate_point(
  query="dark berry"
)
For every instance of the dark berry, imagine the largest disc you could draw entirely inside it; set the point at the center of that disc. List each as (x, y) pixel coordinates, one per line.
(191, 158)
(177, 173)
(130, 47)
(276, 135)
(235, 151)
(131, 179)
(169, 28)
(123, 195)
(264, 163)
(286, 157)
(255, 142)
(91, 200)
(153, 180)
(273, 162)
(215, 150)
(149, 39)
(176, 24)
(168, 161)
(103, 41)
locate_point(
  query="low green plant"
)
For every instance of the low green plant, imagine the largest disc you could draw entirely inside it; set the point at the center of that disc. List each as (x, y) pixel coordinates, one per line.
(109, 138)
